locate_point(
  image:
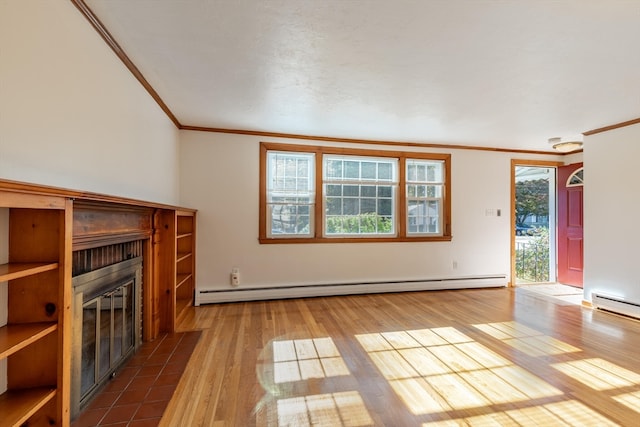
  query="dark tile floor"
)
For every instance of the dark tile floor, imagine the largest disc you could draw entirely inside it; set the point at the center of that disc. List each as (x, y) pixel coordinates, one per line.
(140, 392)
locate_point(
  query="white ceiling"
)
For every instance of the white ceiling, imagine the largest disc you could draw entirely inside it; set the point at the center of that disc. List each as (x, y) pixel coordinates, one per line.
(492, 73)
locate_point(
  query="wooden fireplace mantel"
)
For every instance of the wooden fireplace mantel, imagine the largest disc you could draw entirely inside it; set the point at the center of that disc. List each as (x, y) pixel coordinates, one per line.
(46, 225)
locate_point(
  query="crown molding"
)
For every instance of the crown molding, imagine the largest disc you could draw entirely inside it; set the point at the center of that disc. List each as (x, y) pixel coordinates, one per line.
(111, 42)
(612, 127)
(366, 141)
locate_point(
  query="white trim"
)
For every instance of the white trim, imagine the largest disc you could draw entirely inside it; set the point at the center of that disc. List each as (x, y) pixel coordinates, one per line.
(204, 296)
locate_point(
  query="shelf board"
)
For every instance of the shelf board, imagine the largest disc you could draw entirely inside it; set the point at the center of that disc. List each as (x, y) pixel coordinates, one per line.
(17, 406)
(14, 338)
(183, 235)
(181, 305)
(16, 270)
(182, 278)
(183, 256)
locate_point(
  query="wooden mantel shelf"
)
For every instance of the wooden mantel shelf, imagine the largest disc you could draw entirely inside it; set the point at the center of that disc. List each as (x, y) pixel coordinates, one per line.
(44, 190)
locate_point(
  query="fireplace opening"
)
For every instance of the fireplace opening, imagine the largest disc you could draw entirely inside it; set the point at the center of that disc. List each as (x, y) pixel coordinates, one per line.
(106, 326)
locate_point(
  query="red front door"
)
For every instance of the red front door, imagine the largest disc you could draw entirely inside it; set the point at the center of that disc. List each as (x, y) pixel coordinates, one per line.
(570, 226)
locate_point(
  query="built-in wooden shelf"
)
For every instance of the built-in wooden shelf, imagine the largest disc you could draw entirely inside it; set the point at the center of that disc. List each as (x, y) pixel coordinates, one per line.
(16, 406)
(14, 338)
(181, 305)
(182, 278)
(176, 269)
(182, 256)
(17, 270)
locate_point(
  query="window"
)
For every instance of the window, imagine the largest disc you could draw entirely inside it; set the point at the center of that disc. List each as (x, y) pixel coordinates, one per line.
(290, 194)
(359, 194)
(326, 194)
(576, 179)
(425, 182)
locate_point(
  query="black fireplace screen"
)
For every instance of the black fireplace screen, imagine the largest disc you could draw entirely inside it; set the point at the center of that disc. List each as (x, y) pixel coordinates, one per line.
(106, 328)
(107, 334)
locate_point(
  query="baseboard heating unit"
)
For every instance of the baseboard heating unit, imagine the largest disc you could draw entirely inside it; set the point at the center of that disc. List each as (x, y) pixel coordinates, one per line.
(616, 305)
(204, 296)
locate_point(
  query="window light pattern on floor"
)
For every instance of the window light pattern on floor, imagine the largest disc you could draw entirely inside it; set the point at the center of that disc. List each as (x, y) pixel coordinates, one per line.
(526, 340)
(565, 413)
(442, 373)
(441, 369)
(630, 400)
(332, 409)
(598, 374)
(303, 359)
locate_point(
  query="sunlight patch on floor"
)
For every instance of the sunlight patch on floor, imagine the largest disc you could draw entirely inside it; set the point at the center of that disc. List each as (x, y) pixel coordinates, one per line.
(630, 400)
(566, 413)
(556, 292)
(598, 373)
(303, 359)
(442, 369)
(331, 409)
(526, 340)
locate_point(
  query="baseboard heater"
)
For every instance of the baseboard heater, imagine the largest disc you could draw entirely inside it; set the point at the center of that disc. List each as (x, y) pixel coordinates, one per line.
(204, 296)
(616, 305)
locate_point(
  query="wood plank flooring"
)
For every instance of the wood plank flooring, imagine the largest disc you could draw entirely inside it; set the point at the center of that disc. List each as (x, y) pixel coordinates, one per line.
(502, 357)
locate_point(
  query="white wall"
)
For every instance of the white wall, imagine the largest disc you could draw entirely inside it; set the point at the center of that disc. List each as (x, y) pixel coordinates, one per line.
(72, 115)
(220, 177)
(611, 206)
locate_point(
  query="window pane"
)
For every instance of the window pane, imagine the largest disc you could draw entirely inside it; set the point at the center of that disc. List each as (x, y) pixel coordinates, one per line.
(423, 216)
(368, 170)
(385, 171)
(367, 205)
(351, 190)
(290, 219)
(333, 169)
(384, 207)
(352, 170)
(361, 206)
(290, 193)
(368, 191)
(334, 190)
(424, 196)
(385, 191)
(333, 206)
(427, 171)
(350, 207)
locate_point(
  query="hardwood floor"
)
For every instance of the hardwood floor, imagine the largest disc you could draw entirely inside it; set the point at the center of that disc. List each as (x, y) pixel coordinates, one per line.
(471, 357)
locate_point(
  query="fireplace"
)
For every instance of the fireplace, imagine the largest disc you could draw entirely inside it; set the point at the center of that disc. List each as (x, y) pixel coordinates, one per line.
(106, 324)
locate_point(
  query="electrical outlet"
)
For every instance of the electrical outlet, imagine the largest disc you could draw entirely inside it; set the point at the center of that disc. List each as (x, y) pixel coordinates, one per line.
(455, 265)
(235, 276)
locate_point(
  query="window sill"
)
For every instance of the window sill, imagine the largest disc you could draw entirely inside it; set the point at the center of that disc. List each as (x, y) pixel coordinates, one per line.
(340, 240)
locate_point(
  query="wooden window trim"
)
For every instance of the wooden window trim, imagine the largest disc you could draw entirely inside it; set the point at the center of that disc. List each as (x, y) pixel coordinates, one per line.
(318, 214)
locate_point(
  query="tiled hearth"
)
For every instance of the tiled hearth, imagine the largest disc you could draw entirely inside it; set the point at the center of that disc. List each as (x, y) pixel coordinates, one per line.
(140, 392)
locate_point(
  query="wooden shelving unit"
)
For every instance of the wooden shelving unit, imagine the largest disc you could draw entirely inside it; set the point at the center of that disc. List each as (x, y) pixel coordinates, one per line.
(46, 226)
(176, 269)
(19, 406)
(35, 340)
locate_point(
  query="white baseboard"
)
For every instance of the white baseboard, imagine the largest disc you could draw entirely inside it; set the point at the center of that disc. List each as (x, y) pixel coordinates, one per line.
(204, 296)
(616, 305)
